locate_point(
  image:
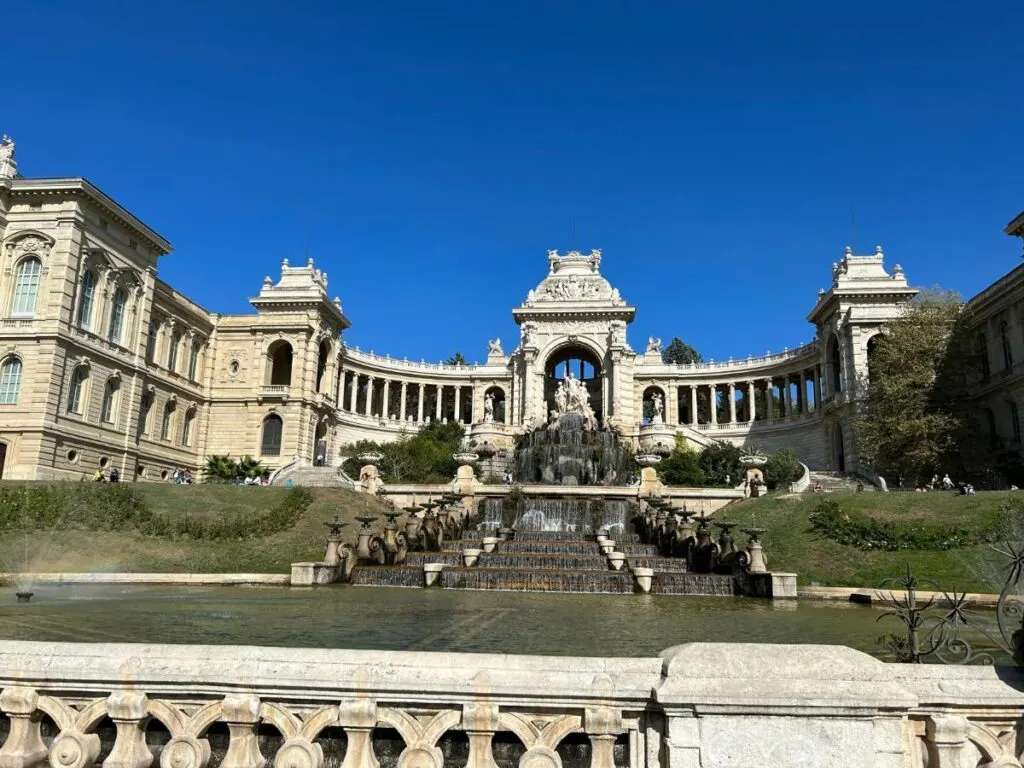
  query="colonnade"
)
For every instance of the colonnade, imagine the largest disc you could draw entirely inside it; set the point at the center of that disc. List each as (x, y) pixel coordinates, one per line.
(398, 399)
(768, 398)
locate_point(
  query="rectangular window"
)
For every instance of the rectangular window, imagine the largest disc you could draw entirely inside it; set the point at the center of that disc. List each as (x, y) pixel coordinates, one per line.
(172, 354)
(151, 344)
(75, 391)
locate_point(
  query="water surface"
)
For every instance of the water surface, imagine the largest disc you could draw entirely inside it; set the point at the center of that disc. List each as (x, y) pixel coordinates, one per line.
(428, 619)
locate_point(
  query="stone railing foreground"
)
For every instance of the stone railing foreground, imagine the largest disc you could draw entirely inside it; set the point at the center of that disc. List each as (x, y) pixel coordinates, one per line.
(722, 705)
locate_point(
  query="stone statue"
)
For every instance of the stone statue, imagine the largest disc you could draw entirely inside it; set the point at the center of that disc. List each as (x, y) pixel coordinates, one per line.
(653, 345)
(560, 397)
(658, 409)
(494, 348)
(8, 168)
(488, 408)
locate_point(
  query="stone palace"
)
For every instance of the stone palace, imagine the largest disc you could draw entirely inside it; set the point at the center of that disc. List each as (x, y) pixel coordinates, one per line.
(104, 365)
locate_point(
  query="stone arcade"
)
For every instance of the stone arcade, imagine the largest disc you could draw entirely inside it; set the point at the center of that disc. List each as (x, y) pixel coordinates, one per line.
(104, 365)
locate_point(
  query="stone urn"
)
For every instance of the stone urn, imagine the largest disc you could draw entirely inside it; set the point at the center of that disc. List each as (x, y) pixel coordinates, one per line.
(616, 560)
(465, 458)
(470, 556)
(485, 450)
(644, 578)
(753, 460)
(432, 573)
(647, 459)
(607, 547)
(490, 542)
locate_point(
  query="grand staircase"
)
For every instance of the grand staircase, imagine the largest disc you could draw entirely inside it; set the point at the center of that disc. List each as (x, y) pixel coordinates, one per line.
(547, 561)
(836, 482)
(313, 477)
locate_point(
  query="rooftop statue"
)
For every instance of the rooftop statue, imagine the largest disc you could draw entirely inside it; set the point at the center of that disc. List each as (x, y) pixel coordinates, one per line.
(653, 346)
(494, 348)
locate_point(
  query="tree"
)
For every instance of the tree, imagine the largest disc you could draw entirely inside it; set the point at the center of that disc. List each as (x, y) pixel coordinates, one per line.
(783, 467)
(916, 419)
(682, 466)
(679, 352)
(456, 359)
(425, 457)
(720, 461)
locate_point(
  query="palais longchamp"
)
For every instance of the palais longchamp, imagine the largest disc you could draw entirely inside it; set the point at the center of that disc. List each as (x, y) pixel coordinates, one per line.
(104, 365)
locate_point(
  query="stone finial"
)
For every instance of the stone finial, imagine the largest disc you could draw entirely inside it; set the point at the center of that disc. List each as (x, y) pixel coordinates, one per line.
(309, 262)
(848, 251)
(337, 303)
(878, 250)
(284, 263)
(268, 282)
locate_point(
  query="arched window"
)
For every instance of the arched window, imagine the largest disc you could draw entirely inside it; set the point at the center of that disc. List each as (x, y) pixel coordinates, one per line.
(110, 392)
(10, 381)
(186, 429)
(1015, 423)
(26, 286)
(654, 405)
(167, 425)
(321, 366)
(872, 350)
(983, 353)
(834, 364)
(280, 368)
(193, 361)
(117, 316)
(270, 445)
(172, 353)
(85, 301)
(1004, 340)
(76, 392)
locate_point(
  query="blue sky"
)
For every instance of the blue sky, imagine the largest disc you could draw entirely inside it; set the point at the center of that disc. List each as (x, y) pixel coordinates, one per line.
(428, 154)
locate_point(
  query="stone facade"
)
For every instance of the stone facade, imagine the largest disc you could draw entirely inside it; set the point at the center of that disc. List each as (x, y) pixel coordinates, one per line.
(104, 365)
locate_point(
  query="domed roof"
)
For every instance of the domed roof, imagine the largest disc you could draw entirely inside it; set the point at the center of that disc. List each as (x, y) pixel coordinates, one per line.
(574, 278)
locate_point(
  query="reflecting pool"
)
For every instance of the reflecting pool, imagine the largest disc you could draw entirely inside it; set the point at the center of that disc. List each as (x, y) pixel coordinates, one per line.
(428, 620)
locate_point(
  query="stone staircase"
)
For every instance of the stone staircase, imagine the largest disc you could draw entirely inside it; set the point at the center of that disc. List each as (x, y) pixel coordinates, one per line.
(836, 482)
(314, 477)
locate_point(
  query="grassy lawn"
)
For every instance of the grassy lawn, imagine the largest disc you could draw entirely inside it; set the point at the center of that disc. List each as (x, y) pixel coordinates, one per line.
(96, 551)
(791, 545)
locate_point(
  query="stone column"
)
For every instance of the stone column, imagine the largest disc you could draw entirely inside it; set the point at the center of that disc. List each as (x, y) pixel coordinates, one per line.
(714, 402)
(354, 393)
(242, 715)
(604, 394)
(401, 407)
(419, 403)
(816, 388)
(439, 389)
(458, 403)
(693, 406)
(803, 392)
(732, 403)
(24, 747)
(752, 400)
(128, 711)
(787, 398)
(769, 399)
(368, 405)
(384, 408)
(359, 717)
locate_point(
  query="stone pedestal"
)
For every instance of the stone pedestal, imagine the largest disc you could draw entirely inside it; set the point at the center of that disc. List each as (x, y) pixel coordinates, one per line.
(308, 574)
(649, 481)
(465, 481)
(644, 578)
(432, 573)
(470, 556)
(774, 586)
(369, 479)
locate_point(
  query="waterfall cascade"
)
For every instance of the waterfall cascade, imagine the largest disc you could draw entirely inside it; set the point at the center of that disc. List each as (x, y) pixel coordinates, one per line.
(568, 453)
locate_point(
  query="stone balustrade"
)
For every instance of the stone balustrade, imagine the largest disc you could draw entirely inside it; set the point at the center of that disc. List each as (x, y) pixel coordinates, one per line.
(725, 705)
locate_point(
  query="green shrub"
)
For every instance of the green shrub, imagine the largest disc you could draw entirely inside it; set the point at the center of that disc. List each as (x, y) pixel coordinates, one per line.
(856, 529)
(682, 467)
(721, 460)
(782, 468)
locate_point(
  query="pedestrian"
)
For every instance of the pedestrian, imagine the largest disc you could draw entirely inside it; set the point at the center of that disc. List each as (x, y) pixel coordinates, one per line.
(115, 476)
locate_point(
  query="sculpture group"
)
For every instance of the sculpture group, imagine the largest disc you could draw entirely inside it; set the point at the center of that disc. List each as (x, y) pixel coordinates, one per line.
(572, 397)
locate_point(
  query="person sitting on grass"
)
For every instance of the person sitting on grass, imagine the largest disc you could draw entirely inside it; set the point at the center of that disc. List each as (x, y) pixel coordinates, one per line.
(98, 477)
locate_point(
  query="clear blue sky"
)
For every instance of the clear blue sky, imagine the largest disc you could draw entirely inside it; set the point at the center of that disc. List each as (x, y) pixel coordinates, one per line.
(431, 152)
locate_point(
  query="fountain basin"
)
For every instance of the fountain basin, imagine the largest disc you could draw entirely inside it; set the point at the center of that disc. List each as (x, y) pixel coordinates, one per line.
(607, 547)
(490, 542)
(644, 578)
(432, 573)
(470, 556)
(616, 560)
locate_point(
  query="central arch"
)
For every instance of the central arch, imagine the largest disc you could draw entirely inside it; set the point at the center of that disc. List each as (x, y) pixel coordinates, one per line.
(584, 364)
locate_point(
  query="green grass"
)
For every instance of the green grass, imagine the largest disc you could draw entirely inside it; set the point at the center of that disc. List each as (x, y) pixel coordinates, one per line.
(791, 545)
(94, 551)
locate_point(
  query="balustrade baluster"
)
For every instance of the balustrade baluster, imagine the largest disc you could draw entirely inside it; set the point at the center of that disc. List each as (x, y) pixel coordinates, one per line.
(359, 718)
(242, 715)
(24, 746)
(128, 711)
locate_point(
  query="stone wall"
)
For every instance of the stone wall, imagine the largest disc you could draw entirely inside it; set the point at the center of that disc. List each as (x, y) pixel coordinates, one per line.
(698, 705)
